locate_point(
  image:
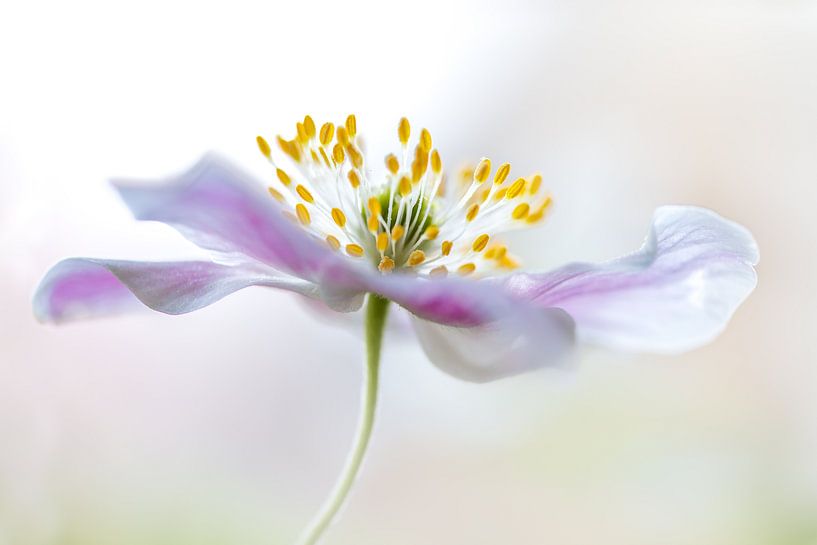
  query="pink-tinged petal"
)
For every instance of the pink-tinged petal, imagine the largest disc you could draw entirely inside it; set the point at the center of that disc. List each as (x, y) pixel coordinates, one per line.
(85, 288)
(220, 208)
(474, 330)
(675, 293)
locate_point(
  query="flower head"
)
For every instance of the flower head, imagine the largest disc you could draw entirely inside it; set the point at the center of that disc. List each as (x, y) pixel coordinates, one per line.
(330, 228)
(405, 214)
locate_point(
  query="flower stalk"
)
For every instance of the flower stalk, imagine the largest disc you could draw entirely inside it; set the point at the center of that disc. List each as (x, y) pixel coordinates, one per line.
(376, 312)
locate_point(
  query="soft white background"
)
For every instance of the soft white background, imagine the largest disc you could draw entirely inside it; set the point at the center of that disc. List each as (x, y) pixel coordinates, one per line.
(227, 426)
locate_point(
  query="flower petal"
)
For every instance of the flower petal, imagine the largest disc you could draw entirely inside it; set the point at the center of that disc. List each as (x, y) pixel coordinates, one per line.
(475, 331)
(218, 207)
(83, 288)
(675, 293)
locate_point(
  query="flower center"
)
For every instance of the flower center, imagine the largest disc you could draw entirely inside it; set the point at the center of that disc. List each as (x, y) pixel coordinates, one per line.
(409, 216)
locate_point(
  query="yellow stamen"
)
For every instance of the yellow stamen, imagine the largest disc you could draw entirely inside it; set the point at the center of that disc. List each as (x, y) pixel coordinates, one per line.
(276, 194)
(521, 211)
(304, 194)
(483, 170)
(289, 148)
(480, 243)
(354, 250)
(283, 176)
(508, 263)
(342, 136)
(326, 134)
(404, 186)
(374, 206)
(373, 223)
(309, 126)
(397, 232)
(354, 178)
(355, 155)
(339, 217)
(351, 125)
(333, 242)
(338, 154)
(386, 264)
(432, 231)
(303, 138)
(436, 162)
(425, 140)
(540, 211)
(404, 131)
(302, 213)
(263, 146)
(466, 268)
(501, 194)
(382, 242)
(473, 210)
(516, 188)
(446, 247)
(416, 258)
(502, 173)
(535, 184)
(392, 163)
(325, 157)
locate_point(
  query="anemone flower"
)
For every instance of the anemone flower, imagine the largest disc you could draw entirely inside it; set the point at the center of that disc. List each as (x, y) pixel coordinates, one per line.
(330, 229)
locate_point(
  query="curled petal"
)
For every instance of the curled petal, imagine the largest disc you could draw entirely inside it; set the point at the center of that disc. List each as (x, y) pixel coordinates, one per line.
(84, 288)
(474, 330)
(218, 207)
(675, 293)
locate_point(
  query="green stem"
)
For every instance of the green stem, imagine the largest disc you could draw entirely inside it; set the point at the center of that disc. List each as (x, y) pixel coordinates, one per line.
(376, 311)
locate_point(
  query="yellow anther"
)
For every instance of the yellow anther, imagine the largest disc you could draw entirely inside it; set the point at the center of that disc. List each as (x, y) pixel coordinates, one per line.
(354, 178)
(416, 258)
(446, 247)
(404, 131)
(502, 173)
(382, 242)
(342, 136)
(516, 188)
(480, 243)
(373, 205)
(535, 184)
(354, 250)
(499, 195)
(473, 210)
(333, 242)
(386, 265)
(432, 231)
(501, 251)
(397, 232)
(309, 126)
(373, 223)
(283, 177)
(325, 158)
(540, 211)
(436, 162)
(483, 170)
(339, 217)
(521, 211)
(338, 154)
(303, 138)
(304, 194)
(425, 140)
(289, 148)
(351, 125)
(490, 253)
(276, 194)
(263, 146)
(419, 165)
(440, 271)
(302, 213)
(508, 263)
(404, 186)
(326, 134)
(355, 155)
(392, 163)
(466, 268)
(484, 194)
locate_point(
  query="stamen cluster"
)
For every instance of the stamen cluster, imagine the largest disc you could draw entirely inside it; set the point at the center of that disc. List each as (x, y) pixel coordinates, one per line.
(408, 217)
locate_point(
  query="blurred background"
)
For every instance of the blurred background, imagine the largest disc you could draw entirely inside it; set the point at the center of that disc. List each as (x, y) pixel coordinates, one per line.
(229, 425)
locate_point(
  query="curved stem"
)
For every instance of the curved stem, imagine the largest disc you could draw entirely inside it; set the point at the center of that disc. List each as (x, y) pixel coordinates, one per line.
(376, 311)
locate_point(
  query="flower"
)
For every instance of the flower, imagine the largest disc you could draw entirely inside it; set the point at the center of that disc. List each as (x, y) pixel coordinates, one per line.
(331, 228)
